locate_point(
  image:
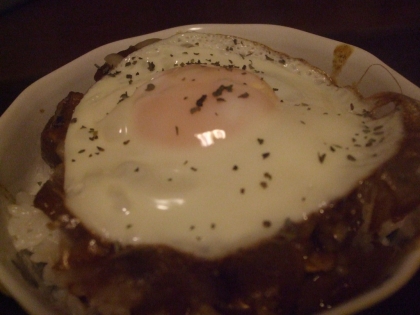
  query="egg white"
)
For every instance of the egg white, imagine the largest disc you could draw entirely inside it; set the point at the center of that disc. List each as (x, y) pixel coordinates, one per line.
(310, 149)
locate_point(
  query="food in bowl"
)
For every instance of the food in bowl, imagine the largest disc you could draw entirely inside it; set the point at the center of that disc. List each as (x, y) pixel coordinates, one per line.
(208, 174)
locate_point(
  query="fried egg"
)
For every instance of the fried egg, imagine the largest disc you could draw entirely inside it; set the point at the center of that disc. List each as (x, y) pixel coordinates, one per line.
(210, 143)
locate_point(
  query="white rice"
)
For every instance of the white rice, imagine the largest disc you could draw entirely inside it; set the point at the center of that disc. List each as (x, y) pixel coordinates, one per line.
(38, 250)
(28, 227)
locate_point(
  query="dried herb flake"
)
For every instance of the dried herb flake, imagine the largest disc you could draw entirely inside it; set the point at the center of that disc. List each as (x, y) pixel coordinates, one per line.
(222, 88)
(266, 155)
(321, 157)
(351, 158)
(150, 87)
(266, 223)
(201, 100)
(150, 66)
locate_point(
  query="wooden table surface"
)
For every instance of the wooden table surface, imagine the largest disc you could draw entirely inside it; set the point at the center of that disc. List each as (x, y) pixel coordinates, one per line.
(39, 36)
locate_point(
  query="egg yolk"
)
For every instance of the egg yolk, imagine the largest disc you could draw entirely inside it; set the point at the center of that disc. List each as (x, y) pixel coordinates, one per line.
(198, 105)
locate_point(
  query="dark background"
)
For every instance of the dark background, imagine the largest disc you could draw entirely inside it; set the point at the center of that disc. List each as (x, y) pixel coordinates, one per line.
(38, 36)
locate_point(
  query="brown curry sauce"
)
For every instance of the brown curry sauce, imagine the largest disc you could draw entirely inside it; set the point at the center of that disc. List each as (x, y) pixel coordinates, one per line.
(306, 267)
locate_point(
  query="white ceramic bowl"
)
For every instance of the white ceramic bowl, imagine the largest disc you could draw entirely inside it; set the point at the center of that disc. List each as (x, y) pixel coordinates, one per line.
(21, 124)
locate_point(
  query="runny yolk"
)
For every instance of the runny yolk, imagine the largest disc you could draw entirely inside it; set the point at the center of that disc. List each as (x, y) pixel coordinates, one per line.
(199, 105)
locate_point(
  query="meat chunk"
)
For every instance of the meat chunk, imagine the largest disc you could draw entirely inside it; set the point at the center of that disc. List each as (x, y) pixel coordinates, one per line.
(54, 133)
